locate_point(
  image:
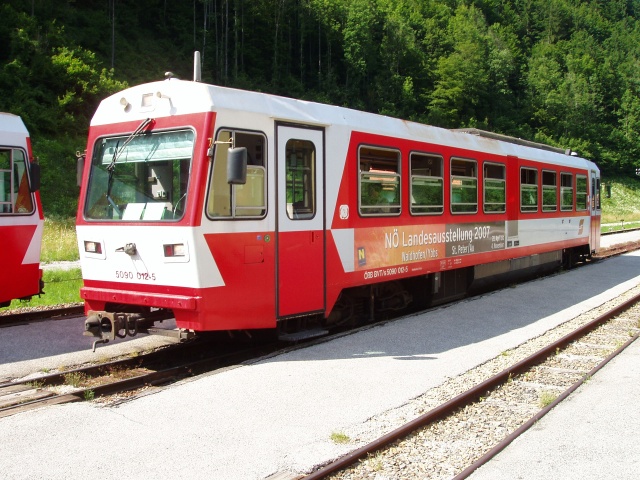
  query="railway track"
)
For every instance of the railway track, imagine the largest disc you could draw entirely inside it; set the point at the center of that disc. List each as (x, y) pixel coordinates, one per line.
(454, 437)
(120, 378)
(45, 314)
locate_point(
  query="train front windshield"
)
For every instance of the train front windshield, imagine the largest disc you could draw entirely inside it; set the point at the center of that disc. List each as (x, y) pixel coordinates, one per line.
(140, 178)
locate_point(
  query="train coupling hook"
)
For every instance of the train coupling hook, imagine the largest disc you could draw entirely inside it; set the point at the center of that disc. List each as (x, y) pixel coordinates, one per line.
(130, 249)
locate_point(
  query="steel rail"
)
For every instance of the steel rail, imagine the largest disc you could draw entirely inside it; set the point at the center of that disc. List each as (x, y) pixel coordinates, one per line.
(56, 313)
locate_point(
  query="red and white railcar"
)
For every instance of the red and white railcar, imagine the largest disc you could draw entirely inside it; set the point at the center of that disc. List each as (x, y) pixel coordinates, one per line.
(21, 218)
(230, 210)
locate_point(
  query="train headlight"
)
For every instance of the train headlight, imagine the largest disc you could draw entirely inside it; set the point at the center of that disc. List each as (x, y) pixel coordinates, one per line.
(174, 250)
(92, 247)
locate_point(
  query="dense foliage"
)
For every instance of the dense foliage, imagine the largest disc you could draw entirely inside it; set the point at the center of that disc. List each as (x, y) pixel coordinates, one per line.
(564, 72)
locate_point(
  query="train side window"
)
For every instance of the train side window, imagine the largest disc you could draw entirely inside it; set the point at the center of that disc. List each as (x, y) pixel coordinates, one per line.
(528, 190)
(582, 192)
(301, 179)
(6, 205)
(549, 191)
(247, 200)
(427, 184)
(495, 192)
(597, 194)
(378, 181)
(566, 192)
(464, 186)
(15, 194)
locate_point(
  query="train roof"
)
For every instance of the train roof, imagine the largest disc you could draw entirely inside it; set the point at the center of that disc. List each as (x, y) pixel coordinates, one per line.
(12, 130)
(176, 97)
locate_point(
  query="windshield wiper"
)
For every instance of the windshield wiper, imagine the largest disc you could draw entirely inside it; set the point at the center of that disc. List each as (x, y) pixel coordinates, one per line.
(111, 168)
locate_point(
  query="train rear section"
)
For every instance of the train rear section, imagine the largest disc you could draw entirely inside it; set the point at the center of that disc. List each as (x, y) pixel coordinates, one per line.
(21, 220)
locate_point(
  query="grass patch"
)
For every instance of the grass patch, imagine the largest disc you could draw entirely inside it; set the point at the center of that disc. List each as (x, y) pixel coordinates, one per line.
(338, 437)
(75, 379)
(624, 203)
(547, 398)
(60, 287)
(59, 241)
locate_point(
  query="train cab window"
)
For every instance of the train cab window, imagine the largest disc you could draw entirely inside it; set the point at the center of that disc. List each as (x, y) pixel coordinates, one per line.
(566, 192)
(528, 190)
(596, 194)
(427, 184)
(142, 177)
(301, 179)
(238, 201)
(379, 181)
(464, 186)
(495, 193)
(582, 192)
(549, 191)
(15, 194)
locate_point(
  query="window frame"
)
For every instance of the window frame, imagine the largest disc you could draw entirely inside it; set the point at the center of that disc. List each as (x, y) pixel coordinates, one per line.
(536, 188)
(309, 184)
(453, 188)
(15, 181)
(132, 215)
(425, 209)
(547, 207)
(485, 187)
(582, 197)
(382, 208)
(234, 190)
(563, 189)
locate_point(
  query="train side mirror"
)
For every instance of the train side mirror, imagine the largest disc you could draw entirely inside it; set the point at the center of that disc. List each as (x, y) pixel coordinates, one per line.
(237, 166)
(80, 167)
(34, 177)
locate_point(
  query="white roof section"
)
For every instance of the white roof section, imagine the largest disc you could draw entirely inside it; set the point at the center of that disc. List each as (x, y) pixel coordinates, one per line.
(13, 133)
(180, 97)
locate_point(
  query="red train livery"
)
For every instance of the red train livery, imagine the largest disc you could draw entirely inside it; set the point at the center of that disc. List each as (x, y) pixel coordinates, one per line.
(21, 219)
(235, 210)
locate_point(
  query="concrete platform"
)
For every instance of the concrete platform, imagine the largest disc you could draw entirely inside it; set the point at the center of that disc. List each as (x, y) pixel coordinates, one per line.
(278, 414)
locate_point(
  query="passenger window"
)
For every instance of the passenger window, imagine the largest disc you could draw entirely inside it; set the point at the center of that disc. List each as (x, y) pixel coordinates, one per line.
(301, 179)
(427, 184)
(495, 193)
(549, 191)
(582, 192)
(464, 186)
(247, 200)
(566, 192)
(379, 181)
(528, 190)
(15, 194)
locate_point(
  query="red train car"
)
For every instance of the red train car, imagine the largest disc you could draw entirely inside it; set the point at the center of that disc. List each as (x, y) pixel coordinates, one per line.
(234, 210)
(21, 218)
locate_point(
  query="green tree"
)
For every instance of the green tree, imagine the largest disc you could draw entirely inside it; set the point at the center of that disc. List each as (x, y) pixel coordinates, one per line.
(462, 75)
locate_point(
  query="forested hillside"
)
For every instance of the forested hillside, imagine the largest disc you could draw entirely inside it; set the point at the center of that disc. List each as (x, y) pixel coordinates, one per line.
(563, 72)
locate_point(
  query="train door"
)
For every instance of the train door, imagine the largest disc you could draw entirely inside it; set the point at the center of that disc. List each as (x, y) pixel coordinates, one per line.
(595, 210)
(300, 220)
